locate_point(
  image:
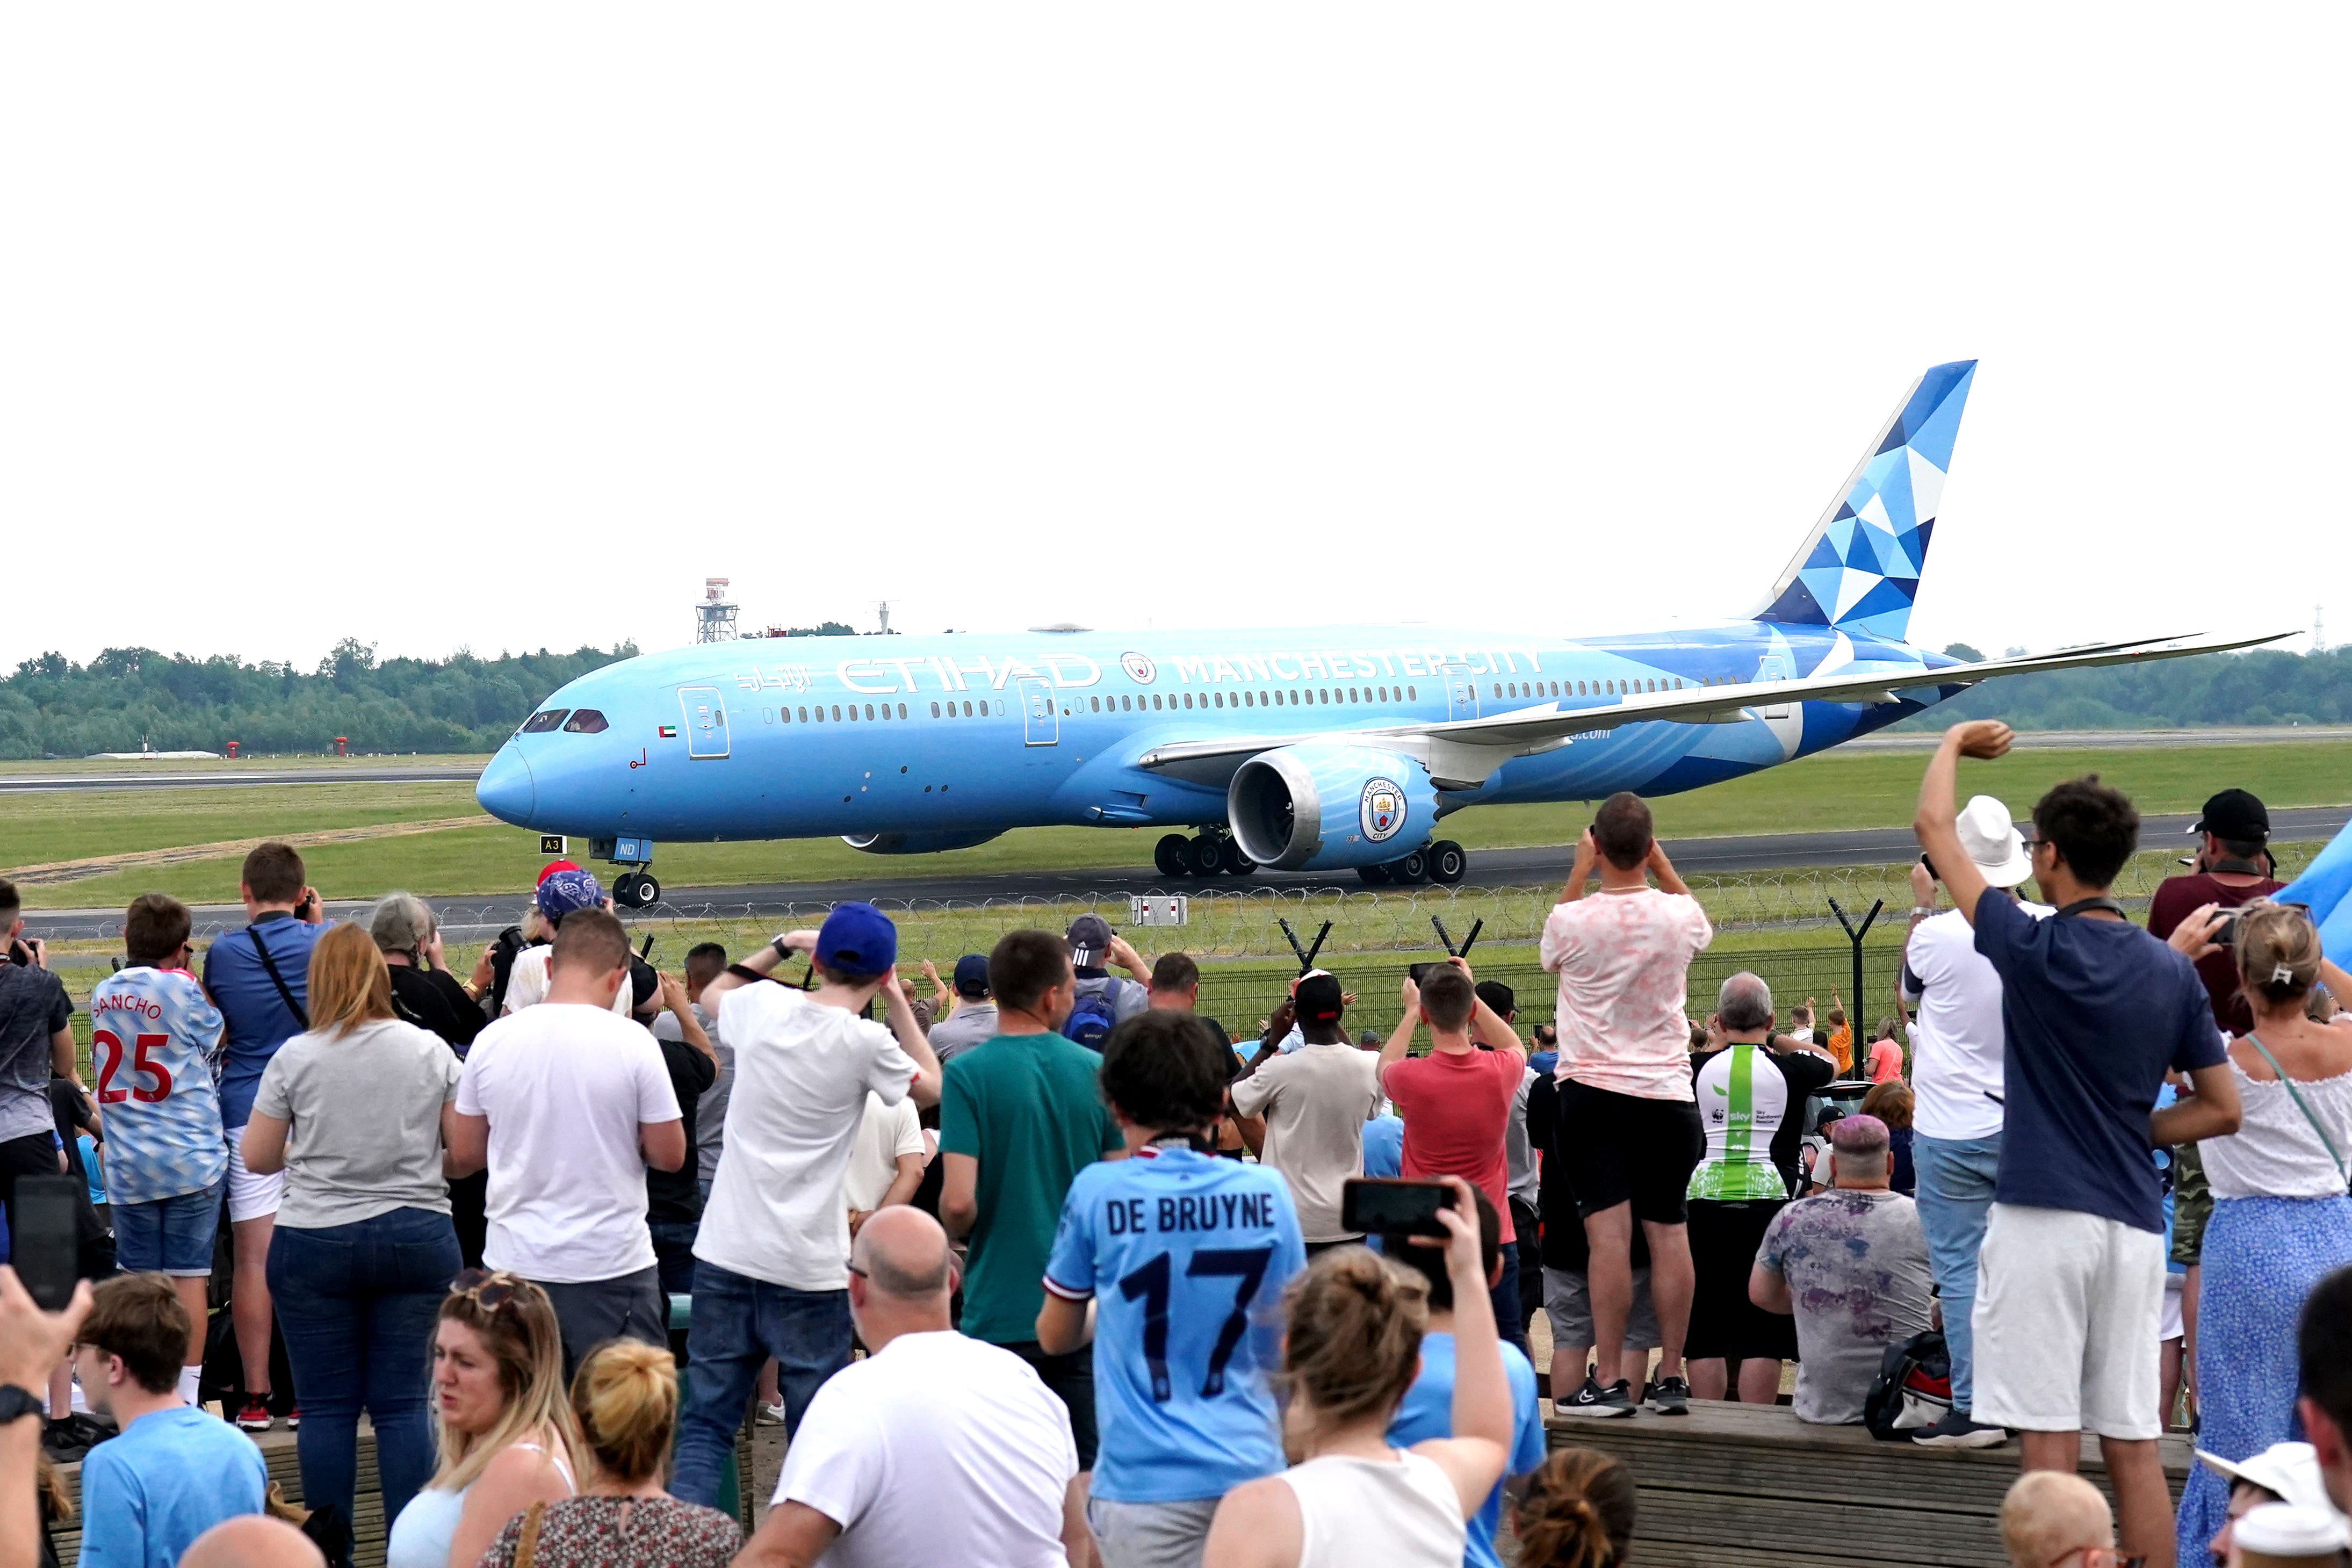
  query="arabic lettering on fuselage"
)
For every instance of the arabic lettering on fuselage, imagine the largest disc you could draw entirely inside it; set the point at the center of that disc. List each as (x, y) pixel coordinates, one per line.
(882, 677)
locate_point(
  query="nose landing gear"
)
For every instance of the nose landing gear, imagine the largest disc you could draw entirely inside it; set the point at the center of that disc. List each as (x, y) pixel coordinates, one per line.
(636, 890)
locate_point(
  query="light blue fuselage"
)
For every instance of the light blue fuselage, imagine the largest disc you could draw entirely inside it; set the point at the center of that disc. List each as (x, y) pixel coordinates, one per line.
(725, 741)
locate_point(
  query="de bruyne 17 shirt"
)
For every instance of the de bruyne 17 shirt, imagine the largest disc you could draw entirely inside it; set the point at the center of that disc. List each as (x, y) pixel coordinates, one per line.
(2095, 1011)
(1185, 1256)
(152, 1035)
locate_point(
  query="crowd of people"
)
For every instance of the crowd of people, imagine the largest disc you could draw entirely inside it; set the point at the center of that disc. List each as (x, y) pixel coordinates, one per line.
(1035, 1264)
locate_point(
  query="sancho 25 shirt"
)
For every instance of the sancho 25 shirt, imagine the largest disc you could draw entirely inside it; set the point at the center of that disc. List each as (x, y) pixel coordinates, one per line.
(1185, 1256)
(152, 1035)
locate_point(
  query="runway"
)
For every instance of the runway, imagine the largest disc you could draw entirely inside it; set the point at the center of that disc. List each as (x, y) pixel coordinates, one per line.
(46, 783)
(472, 918)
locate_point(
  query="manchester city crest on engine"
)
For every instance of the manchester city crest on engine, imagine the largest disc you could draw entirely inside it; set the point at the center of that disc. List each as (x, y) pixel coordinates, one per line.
(1138, 667)
(1383, 811)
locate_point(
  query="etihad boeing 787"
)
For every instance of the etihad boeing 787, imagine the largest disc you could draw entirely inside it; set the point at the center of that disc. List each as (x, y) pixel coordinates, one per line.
(1307, 750)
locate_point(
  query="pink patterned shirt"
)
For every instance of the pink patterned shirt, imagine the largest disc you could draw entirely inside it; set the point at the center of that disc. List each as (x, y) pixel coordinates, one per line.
(1623, 963)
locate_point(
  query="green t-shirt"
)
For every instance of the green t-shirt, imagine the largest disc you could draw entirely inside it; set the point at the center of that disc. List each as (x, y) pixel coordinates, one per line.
(1028, 1107)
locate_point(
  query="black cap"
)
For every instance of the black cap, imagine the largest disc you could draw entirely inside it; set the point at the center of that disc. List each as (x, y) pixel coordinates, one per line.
(2235, 816)
(971, 975)
(1318, 999)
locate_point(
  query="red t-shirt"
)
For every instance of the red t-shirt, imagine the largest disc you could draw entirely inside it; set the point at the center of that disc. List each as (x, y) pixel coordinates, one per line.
(1455, 1105)
(2175, 897)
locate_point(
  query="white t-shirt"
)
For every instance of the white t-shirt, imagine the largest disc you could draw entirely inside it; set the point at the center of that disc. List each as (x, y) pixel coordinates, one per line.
(883, 1133)
(936, 1448)
(565, 1086)
(1623, 963)
(527, 982)
(803, 1071)
(1315, 1102)
(1956, 1041)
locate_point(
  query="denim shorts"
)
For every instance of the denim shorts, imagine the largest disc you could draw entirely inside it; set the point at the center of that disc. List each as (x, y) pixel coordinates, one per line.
(169, 1236)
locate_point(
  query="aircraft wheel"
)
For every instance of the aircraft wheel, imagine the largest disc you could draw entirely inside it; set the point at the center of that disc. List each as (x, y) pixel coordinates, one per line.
(1169, 856)
(1205, 856)
(624, 890)
(1410, 871)
(1448, 863)
(637, 889)
(1234, 862)
(1372, 875)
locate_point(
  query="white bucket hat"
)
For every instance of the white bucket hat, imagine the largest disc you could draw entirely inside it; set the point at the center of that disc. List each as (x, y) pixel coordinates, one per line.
(2288, 1471)
(1992, 840)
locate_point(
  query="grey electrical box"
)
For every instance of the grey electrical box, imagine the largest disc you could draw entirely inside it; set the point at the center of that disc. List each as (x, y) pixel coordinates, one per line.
(1160, 909)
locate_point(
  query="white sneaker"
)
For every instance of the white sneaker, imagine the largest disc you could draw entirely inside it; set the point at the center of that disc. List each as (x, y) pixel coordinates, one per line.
(769, 1415)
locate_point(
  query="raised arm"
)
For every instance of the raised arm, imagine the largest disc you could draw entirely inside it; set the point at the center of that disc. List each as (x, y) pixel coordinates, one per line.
(1580, 871)
(760, 961)
(1936, 822)
(1669, 880)
(924, 1090)
(1400, 1037)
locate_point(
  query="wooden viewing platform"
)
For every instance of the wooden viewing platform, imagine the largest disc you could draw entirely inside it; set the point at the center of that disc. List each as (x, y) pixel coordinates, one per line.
(1742, 1486)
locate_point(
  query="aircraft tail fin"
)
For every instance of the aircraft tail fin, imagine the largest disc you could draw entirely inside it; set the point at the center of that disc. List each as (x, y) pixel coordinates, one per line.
(1858, 571)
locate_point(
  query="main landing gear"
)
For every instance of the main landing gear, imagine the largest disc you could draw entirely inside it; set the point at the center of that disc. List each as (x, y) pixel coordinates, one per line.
(1214, 853)
(1444, 862)
(636, 890)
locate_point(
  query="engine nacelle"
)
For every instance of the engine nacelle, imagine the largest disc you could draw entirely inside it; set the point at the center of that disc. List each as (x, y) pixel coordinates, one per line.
(1326, 805)
(915, 843)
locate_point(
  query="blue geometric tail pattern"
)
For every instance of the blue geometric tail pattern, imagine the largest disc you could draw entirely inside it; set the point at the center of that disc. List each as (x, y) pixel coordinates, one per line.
(1859, 569)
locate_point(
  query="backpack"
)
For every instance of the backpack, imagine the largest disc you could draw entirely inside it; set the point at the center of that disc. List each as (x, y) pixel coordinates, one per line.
(1093, 1015)
(1913, 1389)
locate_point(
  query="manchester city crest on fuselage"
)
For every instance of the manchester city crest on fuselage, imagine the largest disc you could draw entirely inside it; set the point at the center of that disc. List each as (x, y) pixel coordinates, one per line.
(1381, 812)
(1138, 667)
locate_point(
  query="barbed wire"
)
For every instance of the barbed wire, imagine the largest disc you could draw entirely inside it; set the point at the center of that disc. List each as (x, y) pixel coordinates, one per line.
(1244, 923)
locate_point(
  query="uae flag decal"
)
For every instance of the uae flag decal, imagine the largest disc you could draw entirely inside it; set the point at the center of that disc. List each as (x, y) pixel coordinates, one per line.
(669, 732)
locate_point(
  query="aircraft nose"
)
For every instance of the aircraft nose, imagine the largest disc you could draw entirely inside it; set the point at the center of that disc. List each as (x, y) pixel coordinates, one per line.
(505, 789)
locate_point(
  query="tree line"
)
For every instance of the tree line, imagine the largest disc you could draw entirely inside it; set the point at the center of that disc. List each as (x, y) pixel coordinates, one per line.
(2262, 686)
(127, 697)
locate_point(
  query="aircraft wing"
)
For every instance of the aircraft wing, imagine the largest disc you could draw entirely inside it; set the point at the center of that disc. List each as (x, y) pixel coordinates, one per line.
(1541, 726)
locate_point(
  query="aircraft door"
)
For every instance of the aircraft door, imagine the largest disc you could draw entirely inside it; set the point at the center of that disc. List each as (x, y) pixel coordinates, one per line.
(1462, 695)
(706, 722)
(1774, 668)
(1041, 720)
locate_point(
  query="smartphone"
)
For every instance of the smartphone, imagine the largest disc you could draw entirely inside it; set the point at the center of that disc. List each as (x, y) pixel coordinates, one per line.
(2226, 934)
(47, 1240)
(1379, 1206)
(1420, 972)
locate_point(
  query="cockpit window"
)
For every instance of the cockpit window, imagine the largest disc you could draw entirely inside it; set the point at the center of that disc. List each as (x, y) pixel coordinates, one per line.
(587, 721)
(541, 723)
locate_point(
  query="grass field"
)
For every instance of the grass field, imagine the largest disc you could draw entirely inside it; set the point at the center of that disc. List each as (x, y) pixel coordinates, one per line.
(1851, 789)
(70, 766)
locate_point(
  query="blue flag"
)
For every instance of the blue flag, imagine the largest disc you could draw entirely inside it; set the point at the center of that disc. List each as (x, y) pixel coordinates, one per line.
(2323, 887)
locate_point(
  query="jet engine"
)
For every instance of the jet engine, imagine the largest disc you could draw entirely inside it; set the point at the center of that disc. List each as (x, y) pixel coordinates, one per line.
(915, 843)
(1324, 805)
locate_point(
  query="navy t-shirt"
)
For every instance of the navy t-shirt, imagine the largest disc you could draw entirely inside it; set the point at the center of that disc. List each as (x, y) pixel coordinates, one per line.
(2095, 1011)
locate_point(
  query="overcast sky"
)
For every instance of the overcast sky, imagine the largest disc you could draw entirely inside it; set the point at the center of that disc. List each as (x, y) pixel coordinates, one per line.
(447, 325)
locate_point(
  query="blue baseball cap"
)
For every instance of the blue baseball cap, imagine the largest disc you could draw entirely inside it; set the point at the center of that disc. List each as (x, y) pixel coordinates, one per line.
(566, 891)
(857, 939)
(971, 974)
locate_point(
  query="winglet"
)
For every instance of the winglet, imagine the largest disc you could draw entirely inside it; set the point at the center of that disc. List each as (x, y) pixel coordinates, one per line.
(1859, 569)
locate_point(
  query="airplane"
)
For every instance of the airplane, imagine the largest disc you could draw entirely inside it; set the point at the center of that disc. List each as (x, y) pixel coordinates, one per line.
(1315, 749)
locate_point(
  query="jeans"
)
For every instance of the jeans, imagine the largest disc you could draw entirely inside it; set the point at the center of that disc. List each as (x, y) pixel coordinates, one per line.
(1955, 1177)
(357, 1304)
(739, 1323)
(1506, 1297)
(674, 1255)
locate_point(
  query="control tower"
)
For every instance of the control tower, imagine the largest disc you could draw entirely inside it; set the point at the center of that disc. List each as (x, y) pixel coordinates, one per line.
(714, 618)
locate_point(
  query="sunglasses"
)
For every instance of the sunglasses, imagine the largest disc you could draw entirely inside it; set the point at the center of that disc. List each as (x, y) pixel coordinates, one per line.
(488, 1289)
